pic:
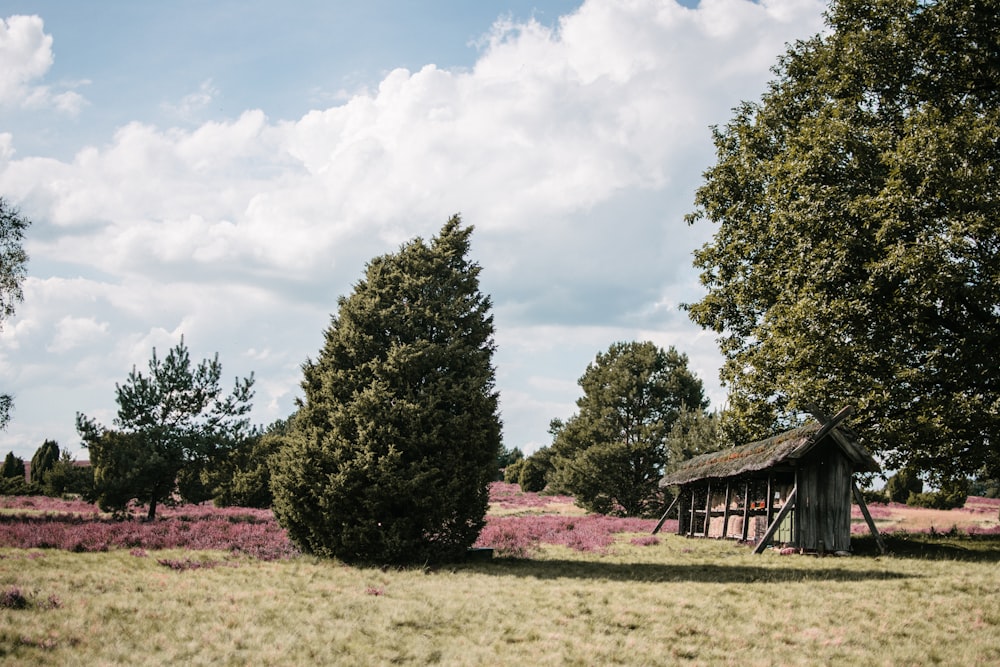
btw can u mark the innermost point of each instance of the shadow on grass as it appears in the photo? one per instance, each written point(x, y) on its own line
point(940, 546)
point(654, 572)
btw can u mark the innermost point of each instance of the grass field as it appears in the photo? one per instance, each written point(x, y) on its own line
point(635, 601)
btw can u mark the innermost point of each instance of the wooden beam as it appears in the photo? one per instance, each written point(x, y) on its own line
point(665, 514)
point(769, 533)
point(796, 524)
point(868, 517)
point(769, 501)
point(746, 510)
point(725, 512)
point(691, 522)
point(708, 507)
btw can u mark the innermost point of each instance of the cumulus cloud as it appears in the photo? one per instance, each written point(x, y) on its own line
point(25, 57)
point(72, 332)
point(574, 149)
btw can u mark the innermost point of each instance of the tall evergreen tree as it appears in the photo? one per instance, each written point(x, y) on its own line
point(856, 259)
point(612, 453)
point(13, 467)
point(398, 437)
point(43, 461)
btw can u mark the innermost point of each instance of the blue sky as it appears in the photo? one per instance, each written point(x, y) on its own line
point(224, 171)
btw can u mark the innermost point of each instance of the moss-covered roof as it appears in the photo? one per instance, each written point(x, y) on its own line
point(764, 454)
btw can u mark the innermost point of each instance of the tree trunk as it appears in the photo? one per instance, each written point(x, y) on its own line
point(152, 509)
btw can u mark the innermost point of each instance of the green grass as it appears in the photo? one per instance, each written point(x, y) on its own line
point(677, 602)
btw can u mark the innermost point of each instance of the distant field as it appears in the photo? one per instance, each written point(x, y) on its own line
point(581, 593)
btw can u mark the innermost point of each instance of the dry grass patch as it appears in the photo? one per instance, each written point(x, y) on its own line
point(675, 602)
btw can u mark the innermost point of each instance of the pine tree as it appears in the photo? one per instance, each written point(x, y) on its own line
point(612, 453)
point(170, 422)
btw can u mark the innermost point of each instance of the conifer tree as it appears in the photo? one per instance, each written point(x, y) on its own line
point(612, 453)
point(397, 439)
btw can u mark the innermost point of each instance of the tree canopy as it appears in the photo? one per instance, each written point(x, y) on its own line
point(612, 453)
point(174, 420)
point(397, 440)
point(856, 259)
point(13, 262)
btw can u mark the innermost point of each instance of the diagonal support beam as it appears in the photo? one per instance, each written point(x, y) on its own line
point(663, 518)
point(860, 499)
point(773, 528)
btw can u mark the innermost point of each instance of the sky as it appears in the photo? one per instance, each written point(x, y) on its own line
point(224, 171)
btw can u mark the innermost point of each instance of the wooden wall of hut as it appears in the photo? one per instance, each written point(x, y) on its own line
point(824, 502)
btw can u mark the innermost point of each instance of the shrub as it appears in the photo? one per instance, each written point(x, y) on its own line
point(874, 496)
point(951, 495)
point(902, 485)
point(512, 473)
point(534, 473)
point(13, 597)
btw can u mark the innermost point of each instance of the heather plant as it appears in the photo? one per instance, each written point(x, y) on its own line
point(520, 536)
point(242, 531)
point(14, 597)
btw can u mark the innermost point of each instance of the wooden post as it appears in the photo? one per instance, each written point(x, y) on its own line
point(796, 524)
point(664, 517)
point(770, 499)
point(746, 510)
point(868, 517)
point(725, 513)
point(769, 533)
point(691, 522)
point(708, 506)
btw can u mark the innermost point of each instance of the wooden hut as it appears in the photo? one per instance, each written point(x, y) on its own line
point(794, 488)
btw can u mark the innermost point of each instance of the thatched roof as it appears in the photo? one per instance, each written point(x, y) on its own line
point(784, 447)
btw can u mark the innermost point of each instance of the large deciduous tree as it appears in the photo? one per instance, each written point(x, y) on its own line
point(612, 453)
point(13, 260)
point(397, 440)
point(857, 255)
point(172, 420)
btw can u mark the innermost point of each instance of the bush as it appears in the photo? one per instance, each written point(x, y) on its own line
point(874, 496)
point(902, 485)
point(952, 495)
point(534, 473)
point(512, 473)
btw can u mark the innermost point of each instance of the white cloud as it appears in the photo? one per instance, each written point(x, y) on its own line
point(574, 150)
point(6, 146)
point(72, 332)
point(25, 58)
